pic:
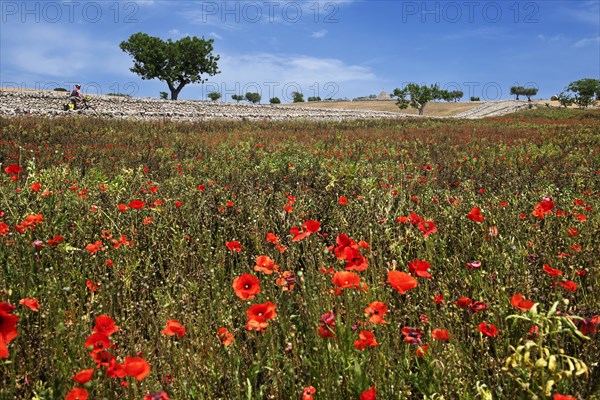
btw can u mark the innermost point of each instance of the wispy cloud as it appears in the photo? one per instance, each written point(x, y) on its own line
point(586, 12)
point(215, 35)
point(319, 34)
point(587, 41)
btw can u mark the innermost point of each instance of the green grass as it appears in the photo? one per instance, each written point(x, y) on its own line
point(179, 267)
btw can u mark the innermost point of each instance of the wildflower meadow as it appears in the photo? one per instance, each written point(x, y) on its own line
point(385, 259)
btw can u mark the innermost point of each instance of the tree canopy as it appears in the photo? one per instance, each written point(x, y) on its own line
point(586, 91)
point(418, 96)
point(177, 63)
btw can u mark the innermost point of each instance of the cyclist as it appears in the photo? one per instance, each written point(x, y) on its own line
point(76, 96)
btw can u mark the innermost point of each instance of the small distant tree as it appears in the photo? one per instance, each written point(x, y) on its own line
point(530, 92)
point(237, 97)
point(473, 98)
point(314, 98)
point(517, 91)
point(297, 97)
point(275, 100)
point(416, 96)
point(60, 89)
point(164, 95)
point(214, 96)
point(253, 97)
point(586, 91)
point(453, 95)
point(564, 99)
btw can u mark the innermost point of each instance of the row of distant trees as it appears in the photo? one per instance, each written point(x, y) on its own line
point(583, 93)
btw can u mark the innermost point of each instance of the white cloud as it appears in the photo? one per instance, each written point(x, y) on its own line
point(174, 32)
point(587, 41)
point(48, 50)
point(319, 34)
point(586, 12)
point(215, 35)
point(279, 75)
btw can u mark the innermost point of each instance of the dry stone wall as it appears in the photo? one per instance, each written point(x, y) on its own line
point(48, 103)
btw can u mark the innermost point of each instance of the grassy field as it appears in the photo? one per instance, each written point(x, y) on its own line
point(412, 259)
point(434, 109)
point(437, 109)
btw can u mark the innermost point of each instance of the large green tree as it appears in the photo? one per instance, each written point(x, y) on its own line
point(416, 96)
point(587, 91)
point(177, 63)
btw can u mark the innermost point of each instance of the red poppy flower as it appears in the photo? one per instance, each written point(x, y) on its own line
point(589, 326)
point(489, 330)
point(77, 394)
point(91, 285)
point(563, 397)
point(569, 285)
point(307, 393)
point(438, 298)
point(346, 280)
point(103, 358)
point(13, 169)
point(365, 339)
point(83, 376)
point(173, 328)
point(415, 219)
point(98, 342)
point(543, 208)
point(477, 306)
point(343, 200)
point(551, 271)
point(234, 246)
point(259, 315)
point(427, 228)
point(401, 281)
point(114, 369)
point(419, 268)
point(93, 248)
point(440, 334)
point(226, 337)
point(475, 215)
point(368, 394)
point(463, 302)
point(265, 264)
point(272, 238)
point(105, 325)
point(8, 327)
point(32, 304)
point(56, 240)
point(327, 327)
point(122, 207)
point(520, 303)
point(136, 367)
point(246, 286)
point(375, 311)
point(136, 204)
point(4, 229)
point(422, 350)
point(412, 335)
point(35, 186)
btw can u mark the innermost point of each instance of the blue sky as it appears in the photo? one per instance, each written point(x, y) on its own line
point(343, 48)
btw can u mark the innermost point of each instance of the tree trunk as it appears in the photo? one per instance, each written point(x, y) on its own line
point(421, 109)
point(175, 90)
